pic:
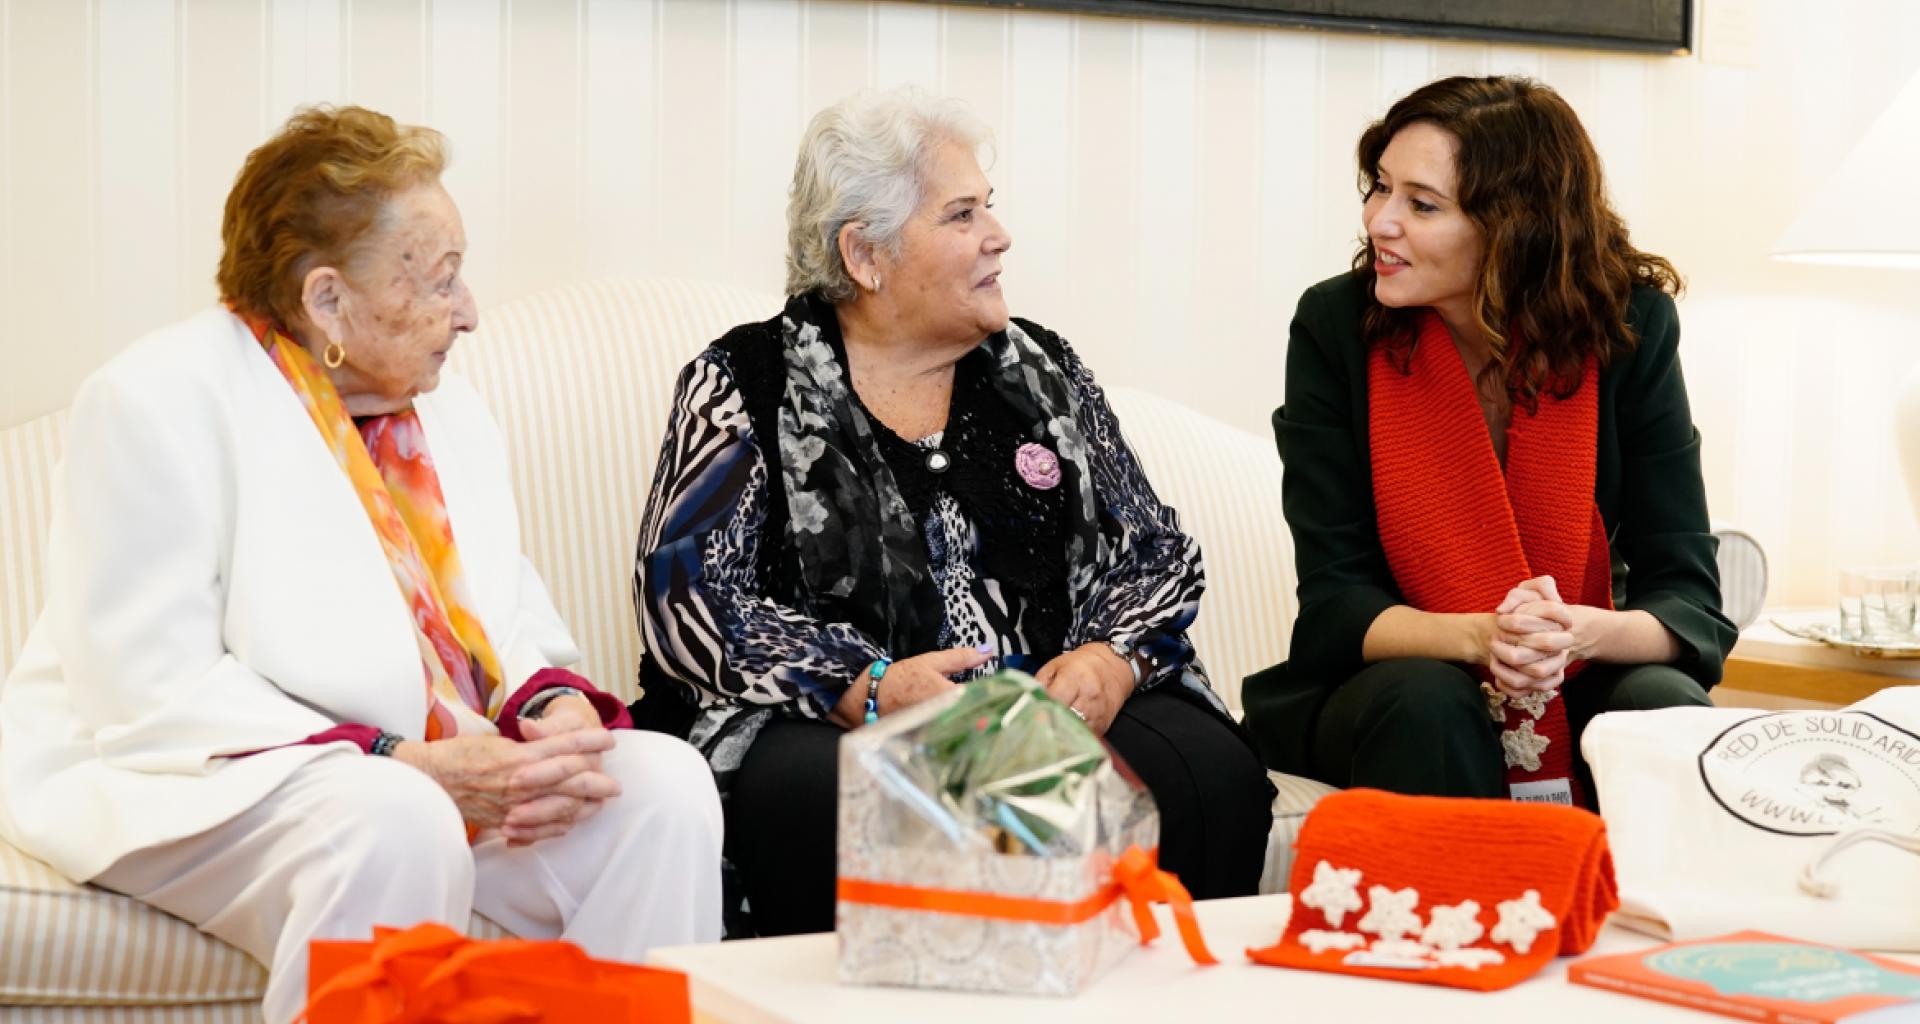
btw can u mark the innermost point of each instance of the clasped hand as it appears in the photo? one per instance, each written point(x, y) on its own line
point(1533, 639)
point(532, 790)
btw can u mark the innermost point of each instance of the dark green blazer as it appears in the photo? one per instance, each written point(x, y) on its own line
point(1647, 485)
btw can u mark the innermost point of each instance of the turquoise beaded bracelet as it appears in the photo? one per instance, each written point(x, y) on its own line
point(874, 675)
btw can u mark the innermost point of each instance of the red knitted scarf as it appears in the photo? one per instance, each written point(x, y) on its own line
point(1459, 534)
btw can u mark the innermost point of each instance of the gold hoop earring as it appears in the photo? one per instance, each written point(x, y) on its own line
point(334, 354)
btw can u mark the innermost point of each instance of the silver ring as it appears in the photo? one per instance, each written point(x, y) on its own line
point(1077, 711)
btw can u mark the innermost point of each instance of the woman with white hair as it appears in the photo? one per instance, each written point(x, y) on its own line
point(891, 487)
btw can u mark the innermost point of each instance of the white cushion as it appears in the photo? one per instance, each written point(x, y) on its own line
point(580, 378)
point(68, 944)
point(1225, 484)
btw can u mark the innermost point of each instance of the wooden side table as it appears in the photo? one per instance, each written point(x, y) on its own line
point(1770, 668)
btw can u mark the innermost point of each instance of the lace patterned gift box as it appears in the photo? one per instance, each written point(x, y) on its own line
point(979, 836)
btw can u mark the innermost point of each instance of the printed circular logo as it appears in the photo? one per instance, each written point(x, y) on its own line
point(1816, 773)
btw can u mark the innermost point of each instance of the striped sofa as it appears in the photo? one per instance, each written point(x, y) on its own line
point(580, 379)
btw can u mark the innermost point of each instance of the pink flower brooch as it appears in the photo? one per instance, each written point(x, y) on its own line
point(1038, 466)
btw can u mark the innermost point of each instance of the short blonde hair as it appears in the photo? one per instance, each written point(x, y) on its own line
point(310, 196)
point(861, 162)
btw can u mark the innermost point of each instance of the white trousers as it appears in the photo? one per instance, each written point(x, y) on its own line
point(351, 841)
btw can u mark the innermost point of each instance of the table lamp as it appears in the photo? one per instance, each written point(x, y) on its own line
point(1862, 216)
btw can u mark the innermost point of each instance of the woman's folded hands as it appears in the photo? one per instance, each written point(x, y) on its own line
point(1532, 640)
point(532, 790)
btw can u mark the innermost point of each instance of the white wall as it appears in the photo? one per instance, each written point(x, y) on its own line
point(1171, 186)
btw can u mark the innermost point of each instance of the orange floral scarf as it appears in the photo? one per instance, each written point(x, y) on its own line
point(387, 461)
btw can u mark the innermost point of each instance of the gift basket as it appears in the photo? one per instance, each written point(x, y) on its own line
point(988, 841)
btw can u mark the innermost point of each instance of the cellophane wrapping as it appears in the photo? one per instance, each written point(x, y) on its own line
point(996, 788)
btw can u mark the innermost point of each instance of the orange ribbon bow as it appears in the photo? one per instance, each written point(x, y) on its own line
point(1135, 876)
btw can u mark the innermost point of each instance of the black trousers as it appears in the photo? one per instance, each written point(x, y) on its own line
point(1420, 726)
point(1216, 808)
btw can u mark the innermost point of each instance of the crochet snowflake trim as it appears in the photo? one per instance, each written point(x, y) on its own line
point(1522, 746)
point(1521, 921)
point(1534, 703)
point(1335, 892)
point(1321, 941)
point(1453, 927)
point(1496, 702)
point(1391, 958)
point(1390, 912)
point(1401, 942)
point(1471, 959)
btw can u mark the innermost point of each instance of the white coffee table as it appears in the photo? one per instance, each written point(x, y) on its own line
point(791, 981)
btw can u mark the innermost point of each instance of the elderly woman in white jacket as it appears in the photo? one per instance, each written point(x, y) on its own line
point(295, 677)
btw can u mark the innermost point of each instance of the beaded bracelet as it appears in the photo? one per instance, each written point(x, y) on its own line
point(874, 675)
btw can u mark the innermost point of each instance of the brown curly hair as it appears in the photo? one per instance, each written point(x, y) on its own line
point(1558, 269)
point(309, 197)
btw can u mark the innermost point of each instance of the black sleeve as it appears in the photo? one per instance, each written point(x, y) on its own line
point(1663, 534)
point(1327, 491)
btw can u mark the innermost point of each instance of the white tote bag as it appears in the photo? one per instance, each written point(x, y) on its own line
point(1801, 823)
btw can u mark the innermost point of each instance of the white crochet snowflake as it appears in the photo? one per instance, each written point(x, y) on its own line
point(1496, 702)
point(1390, 913)
point(1372, 958)
point(1453, 927)
point(1535, 701)
point(1521, 921)
point(1320, 941)
point(1335, 892)
point(1405, 949)
point(1471, 959)
point(1523, 746)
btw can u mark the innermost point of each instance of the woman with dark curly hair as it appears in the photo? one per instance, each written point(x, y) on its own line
point(1493, 480)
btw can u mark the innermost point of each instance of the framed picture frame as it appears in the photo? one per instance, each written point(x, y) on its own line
point(1637, 26)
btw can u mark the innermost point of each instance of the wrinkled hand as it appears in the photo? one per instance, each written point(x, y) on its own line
point(1092, 680)
point(570, 713)
point(908, 682)
point(556, 813)
point(490, 778)
point(1533, 639)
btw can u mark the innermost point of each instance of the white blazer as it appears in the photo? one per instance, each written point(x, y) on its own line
point(215, 588)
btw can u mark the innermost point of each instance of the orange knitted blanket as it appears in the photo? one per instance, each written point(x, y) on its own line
point(1459, 533)
point(1473, 894)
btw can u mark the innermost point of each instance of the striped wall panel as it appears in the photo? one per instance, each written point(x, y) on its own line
point(1172, 186)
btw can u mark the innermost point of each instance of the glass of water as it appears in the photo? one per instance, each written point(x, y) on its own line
point(1878, 604)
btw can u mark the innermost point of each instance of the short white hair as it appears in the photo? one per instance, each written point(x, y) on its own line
point(861, 161)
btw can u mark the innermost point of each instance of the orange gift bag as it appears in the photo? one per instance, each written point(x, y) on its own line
point(431, 974)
